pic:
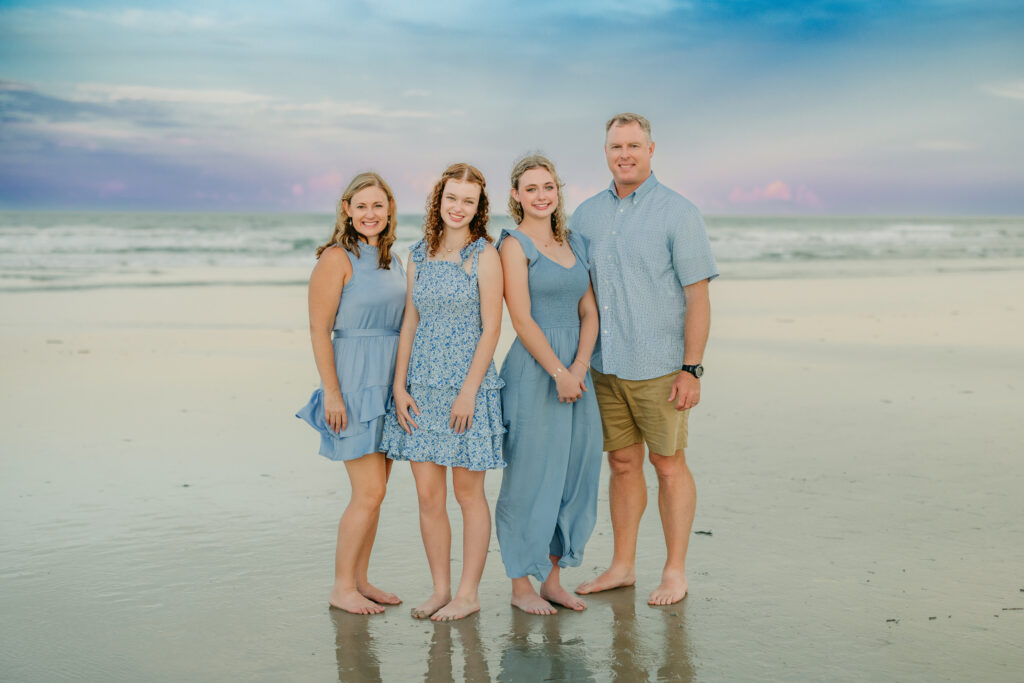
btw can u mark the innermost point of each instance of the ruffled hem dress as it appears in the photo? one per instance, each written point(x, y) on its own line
point(548, 499)
point(447, 298)
point(365, 340)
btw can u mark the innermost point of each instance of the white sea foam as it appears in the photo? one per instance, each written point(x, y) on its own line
point(58, 242)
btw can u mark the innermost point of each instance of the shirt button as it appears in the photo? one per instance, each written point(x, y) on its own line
point(621, 210)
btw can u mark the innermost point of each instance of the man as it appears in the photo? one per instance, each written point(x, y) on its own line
point(651, 264)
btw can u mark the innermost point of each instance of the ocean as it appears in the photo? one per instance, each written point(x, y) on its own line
point(64, 247)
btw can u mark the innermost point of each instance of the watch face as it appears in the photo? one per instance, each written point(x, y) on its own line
point(698, 371)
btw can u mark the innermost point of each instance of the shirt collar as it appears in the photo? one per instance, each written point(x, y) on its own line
point(640, 192)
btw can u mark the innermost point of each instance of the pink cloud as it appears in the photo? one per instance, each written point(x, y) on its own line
point(331, 180)
point(112, 187)
point(805, 197)
point(775, 191)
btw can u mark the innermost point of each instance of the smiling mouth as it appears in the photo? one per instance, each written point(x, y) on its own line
point(456, 218)
point(370, 224)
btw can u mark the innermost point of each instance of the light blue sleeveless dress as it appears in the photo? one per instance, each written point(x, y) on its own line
point(548, 499)
point(447, 299)
point(365, 347)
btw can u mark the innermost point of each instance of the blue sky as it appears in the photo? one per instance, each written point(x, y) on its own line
point(757, 107)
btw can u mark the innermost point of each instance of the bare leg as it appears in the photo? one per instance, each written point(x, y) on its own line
point(552, 590)
point(627, 499)
point(363, 585)
point(432, 490)
point(476, 537)
point(525, 598)
point(677, 501)
point(366, 474)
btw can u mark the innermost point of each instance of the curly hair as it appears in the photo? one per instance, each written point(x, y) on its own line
point(345, 233)
point(433, 225)
point(559, 225)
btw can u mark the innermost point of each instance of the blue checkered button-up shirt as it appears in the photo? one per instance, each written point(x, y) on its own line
point(644, 248)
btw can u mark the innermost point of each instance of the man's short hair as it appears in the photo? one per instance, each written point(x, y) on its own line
point(626, 118)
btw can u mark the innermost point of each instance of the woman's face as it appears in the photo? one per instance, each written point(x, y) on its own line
point(459, 201)
point(537, 192)
point(369, 212)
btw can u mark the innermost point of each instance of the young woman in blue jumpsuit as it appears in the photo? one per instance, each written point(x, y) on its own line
point(547, 506)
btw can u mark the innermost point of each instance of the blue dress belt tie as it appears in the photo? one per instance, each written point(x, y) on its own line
point(356, 332)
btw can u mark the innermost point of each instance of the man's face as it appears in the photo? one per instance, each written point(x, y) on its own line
point(629, 154)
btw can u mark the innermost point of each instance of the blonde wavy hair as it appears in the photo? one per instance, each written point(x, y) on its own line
point(345, 233)
point(433, 225)
point(559, 225)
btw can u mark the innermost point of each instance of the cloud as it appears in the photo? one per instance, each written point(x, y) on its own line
point(773, 191)
point(106, 92)
point(1013, 90)
point(160, 20)
point(347, 109)
point(776, 191)
point(330, 180)
point(944, 145)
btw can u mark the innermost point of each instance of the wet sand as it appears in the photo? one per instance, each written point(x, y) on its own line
point(164, 517)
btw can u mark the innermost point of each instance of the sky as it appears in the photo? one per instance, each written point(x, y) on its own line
point(822, 108)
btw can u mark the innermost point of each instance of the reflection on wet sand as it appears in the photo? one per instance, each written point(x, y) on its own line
point(635, 653)
point(354, 648)
point(535, 651)
point(439, 659)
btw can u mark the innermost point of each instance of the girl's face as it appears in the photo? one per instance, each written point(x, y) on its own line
point(537, 192)
point(459, 201)
point(369, 212)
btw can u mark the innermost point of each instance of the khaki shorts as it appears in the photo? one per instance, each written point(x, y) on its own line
point(639, 410)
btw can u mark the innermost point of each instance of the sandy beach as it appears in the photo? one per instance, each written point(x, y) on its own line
point(857, 456)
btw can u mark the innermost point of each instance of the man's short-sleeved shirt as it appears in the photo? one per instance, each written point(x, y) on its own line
point(644, 248)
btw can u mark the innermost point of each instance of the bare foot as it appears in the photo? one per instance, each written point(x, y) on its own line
point(435, 602)
point(371, 592)
point(458, 608)
point(352, 601)
point(560, 596)
point(531, 603)
point(609, 579)
point(672, 589)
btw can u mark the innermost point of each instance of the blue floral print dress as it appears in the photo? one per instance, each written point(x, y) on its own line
point(447, 299)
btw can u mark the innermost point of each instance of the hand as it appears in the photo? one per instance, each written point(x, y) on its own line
point(403, 403)
point(569, 387)
point(579, 370)
point(685, 391)
point(461, 418)
point(335, 414)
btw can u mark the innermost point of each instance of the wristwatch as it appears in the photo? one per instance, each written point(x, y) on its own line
point(695, 370)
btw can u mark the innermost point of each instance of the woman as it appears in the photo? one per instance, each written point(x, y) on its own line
point(447, 411)
point(548, 501)
point(356, 291)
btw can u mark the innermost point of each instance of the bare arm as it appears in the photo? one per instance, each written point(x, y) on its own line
point(489, 279)
point(686, 388)
point(589, 324)
point(330, 275)
point(410, 319)
point(515, 268)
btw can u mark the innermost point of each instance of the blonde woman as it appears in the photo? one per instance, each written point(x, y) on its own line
point(548, 502)
point(356, 302)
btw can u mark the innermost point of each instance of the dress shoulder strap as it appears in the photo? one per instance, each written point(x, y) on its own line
point(529, 248)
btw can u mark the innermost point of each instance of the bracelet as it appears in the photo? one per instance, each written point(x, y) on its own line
point(586, 366)
point(556, 373)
